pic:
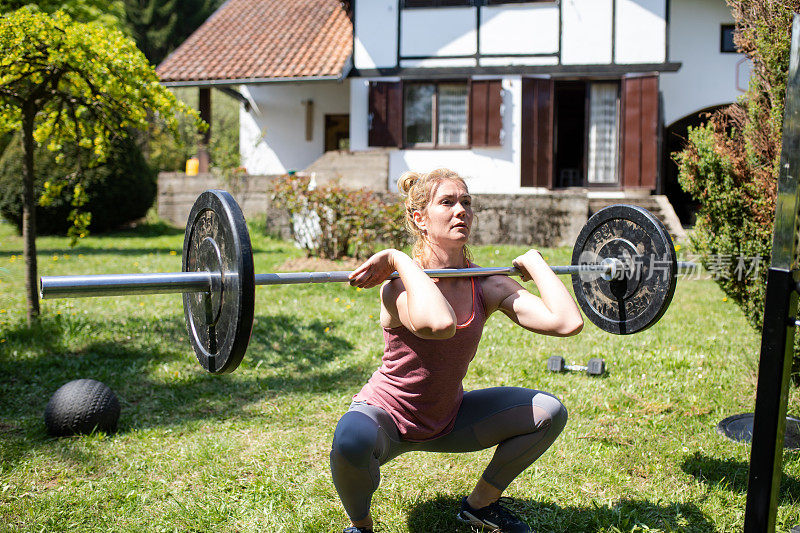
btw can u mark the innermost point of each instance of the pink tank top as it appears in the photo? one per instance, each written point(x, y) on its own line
point(419, 381)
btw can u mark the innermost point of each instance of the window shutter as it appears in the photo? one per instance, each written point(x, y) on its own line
point(485, 112)
point(537, 133)
point(385, 114)
point(640, 132)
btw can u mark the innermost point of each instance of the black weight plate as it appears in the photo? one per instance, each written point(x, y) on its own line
point(219, 323)
point(638, 239)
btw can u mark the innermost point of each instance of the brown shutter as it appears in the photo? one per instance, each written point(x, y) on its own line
point(640, 132)
point(537, 133)
point(385, 114)
point(485, 118)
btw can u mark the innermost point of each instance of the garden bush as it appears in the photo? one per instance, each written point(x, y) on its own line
point(118, 191)
point(731, 164)
point(332, 222)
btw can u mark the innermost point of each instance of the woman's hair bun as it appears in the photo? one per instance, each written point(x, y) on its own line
point(407, 181)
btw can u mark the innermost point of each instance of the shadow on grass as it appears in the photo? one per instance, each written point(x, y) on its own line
point(732, 475)
point(286, 355)
point(438, 514)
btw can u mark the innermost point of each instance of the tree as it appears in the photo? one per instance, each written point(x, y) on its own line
point(72, 86)
point(159, 26)
point(109, 12)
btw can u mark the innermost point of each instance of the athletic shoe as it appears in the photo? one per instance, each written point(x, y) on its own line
point(495, 517)
point(354, 529)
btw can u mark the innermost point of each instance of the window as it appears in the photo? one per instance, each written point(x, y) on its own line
point(726, 44)
point(435, 114)
point(429, 114)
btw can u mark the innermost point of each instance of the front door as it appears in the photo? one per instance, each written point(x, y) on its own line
point(337, 132)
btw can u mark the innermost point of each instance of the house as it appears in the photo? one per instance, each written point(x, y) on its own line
point(520, 97)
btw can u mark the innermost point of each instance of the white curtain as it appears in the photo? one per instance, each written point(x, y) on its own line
point(603, 132)
point(452, 114)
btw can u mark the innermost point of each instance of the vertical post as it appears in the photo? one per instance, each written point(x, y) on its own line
point(204, 96)
point(777, 341)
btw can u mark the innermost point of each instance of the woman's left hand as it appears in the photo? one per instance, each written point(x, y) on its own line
point(528, 263)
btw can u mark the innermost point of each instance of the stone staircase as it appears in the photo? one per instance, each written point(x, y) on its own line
point(657, 204)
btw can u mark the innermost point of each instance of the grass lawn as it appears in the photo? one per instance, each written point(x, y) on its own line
point(249, 451)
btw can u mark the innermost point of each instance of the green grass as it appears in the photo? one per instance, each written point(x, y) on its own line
point(249, 451)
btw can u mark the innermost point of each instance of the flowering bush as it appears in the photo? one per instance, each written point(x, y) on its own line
point(331, 221)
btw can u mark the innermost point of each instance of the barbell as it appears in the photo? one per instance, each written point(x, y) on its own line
point(624, 272)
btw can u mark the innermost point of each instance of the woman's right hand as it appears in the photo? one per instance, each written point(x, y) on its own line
point(375, 270)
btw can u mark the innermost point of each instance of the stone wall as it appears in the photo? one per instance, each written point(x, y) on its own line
point(177, 193)
point(531, 220)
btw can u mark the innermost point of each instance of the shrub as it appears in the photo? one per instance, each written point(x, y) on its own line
point(731, 165)
point(118, 191)
point(331, 221)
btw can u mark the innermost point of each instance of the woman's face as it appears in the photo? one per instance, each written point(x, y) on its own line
point(448, 216)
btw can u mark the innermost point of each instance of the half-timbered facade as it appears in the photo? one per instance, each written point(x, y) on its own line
point(518, 96)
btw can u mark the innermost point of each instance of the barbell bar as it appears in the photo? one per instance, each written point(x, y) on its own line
point(624, 271)
point(52, 287)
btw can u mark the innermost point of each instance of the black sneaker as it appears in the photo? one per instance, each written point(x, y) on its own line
point(354, 529)
point(495, 517)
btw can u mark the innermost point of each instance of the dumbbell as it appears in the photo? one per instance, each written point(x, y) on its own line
point(595, 367)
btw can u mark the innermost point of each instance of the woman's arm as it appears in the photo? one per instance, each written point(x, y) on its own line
point(414, 300)
point(554, 313)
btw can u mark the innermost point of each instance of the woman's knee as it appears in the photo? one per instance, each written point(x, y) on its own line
point(556, 411)
point(355, 439)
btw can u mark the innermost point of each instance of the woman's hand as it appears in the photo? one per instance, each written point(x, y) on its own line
point(529, 264)
point(374, 270)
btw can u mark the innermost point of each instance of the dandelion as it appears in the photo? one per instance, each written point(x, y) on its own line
point(141, 304)
point(327, 329)
point(2, 341)
point(371, 316)
point(55, 258)
point(2, 311)
point(358, 289)
point(173, 252)
point(725, 299)
point(677, 247)
point(336, 299)
point(348, 306)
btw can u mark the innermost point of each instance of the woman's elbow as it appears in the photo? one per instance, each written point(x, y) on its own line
point(570, 327)
point(439, 330)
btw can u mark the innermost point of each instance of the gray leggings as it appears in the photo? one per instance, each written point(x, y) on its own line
point(523, 423)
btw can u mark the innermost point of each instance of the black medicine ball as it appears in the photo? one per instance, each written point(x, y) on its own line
point(82, 406)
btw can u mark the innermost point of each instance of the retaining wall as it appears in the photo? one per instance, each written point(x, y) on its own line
point(533, 220)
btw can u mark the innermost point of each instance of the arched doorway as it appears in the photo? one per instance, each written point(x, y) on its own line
point(675, 138)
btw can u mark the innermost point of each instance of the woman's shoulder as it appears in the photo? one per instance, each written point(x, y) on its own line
point(495, 289)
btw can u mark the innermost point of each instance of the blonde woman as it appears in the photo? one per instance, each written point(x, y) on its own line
point(415, 401)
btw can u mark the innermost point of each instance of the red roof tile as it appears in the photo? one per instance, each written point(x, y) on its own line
point(255, 39)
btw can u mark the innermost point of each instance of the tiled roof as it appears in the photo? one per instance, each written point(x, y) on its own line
point(257, 39)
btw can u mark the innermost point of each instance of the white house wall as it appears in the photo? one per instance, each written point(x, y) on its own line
point(583, 32)
point(438, 32)
point(707, 77)
point(519, 29)
point(375, 43)
point(640, 29)
point(586, 32)
point(273, 136)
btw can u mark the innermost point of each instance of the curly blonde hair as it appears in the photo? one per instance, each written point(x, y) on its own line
point(418, 189)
